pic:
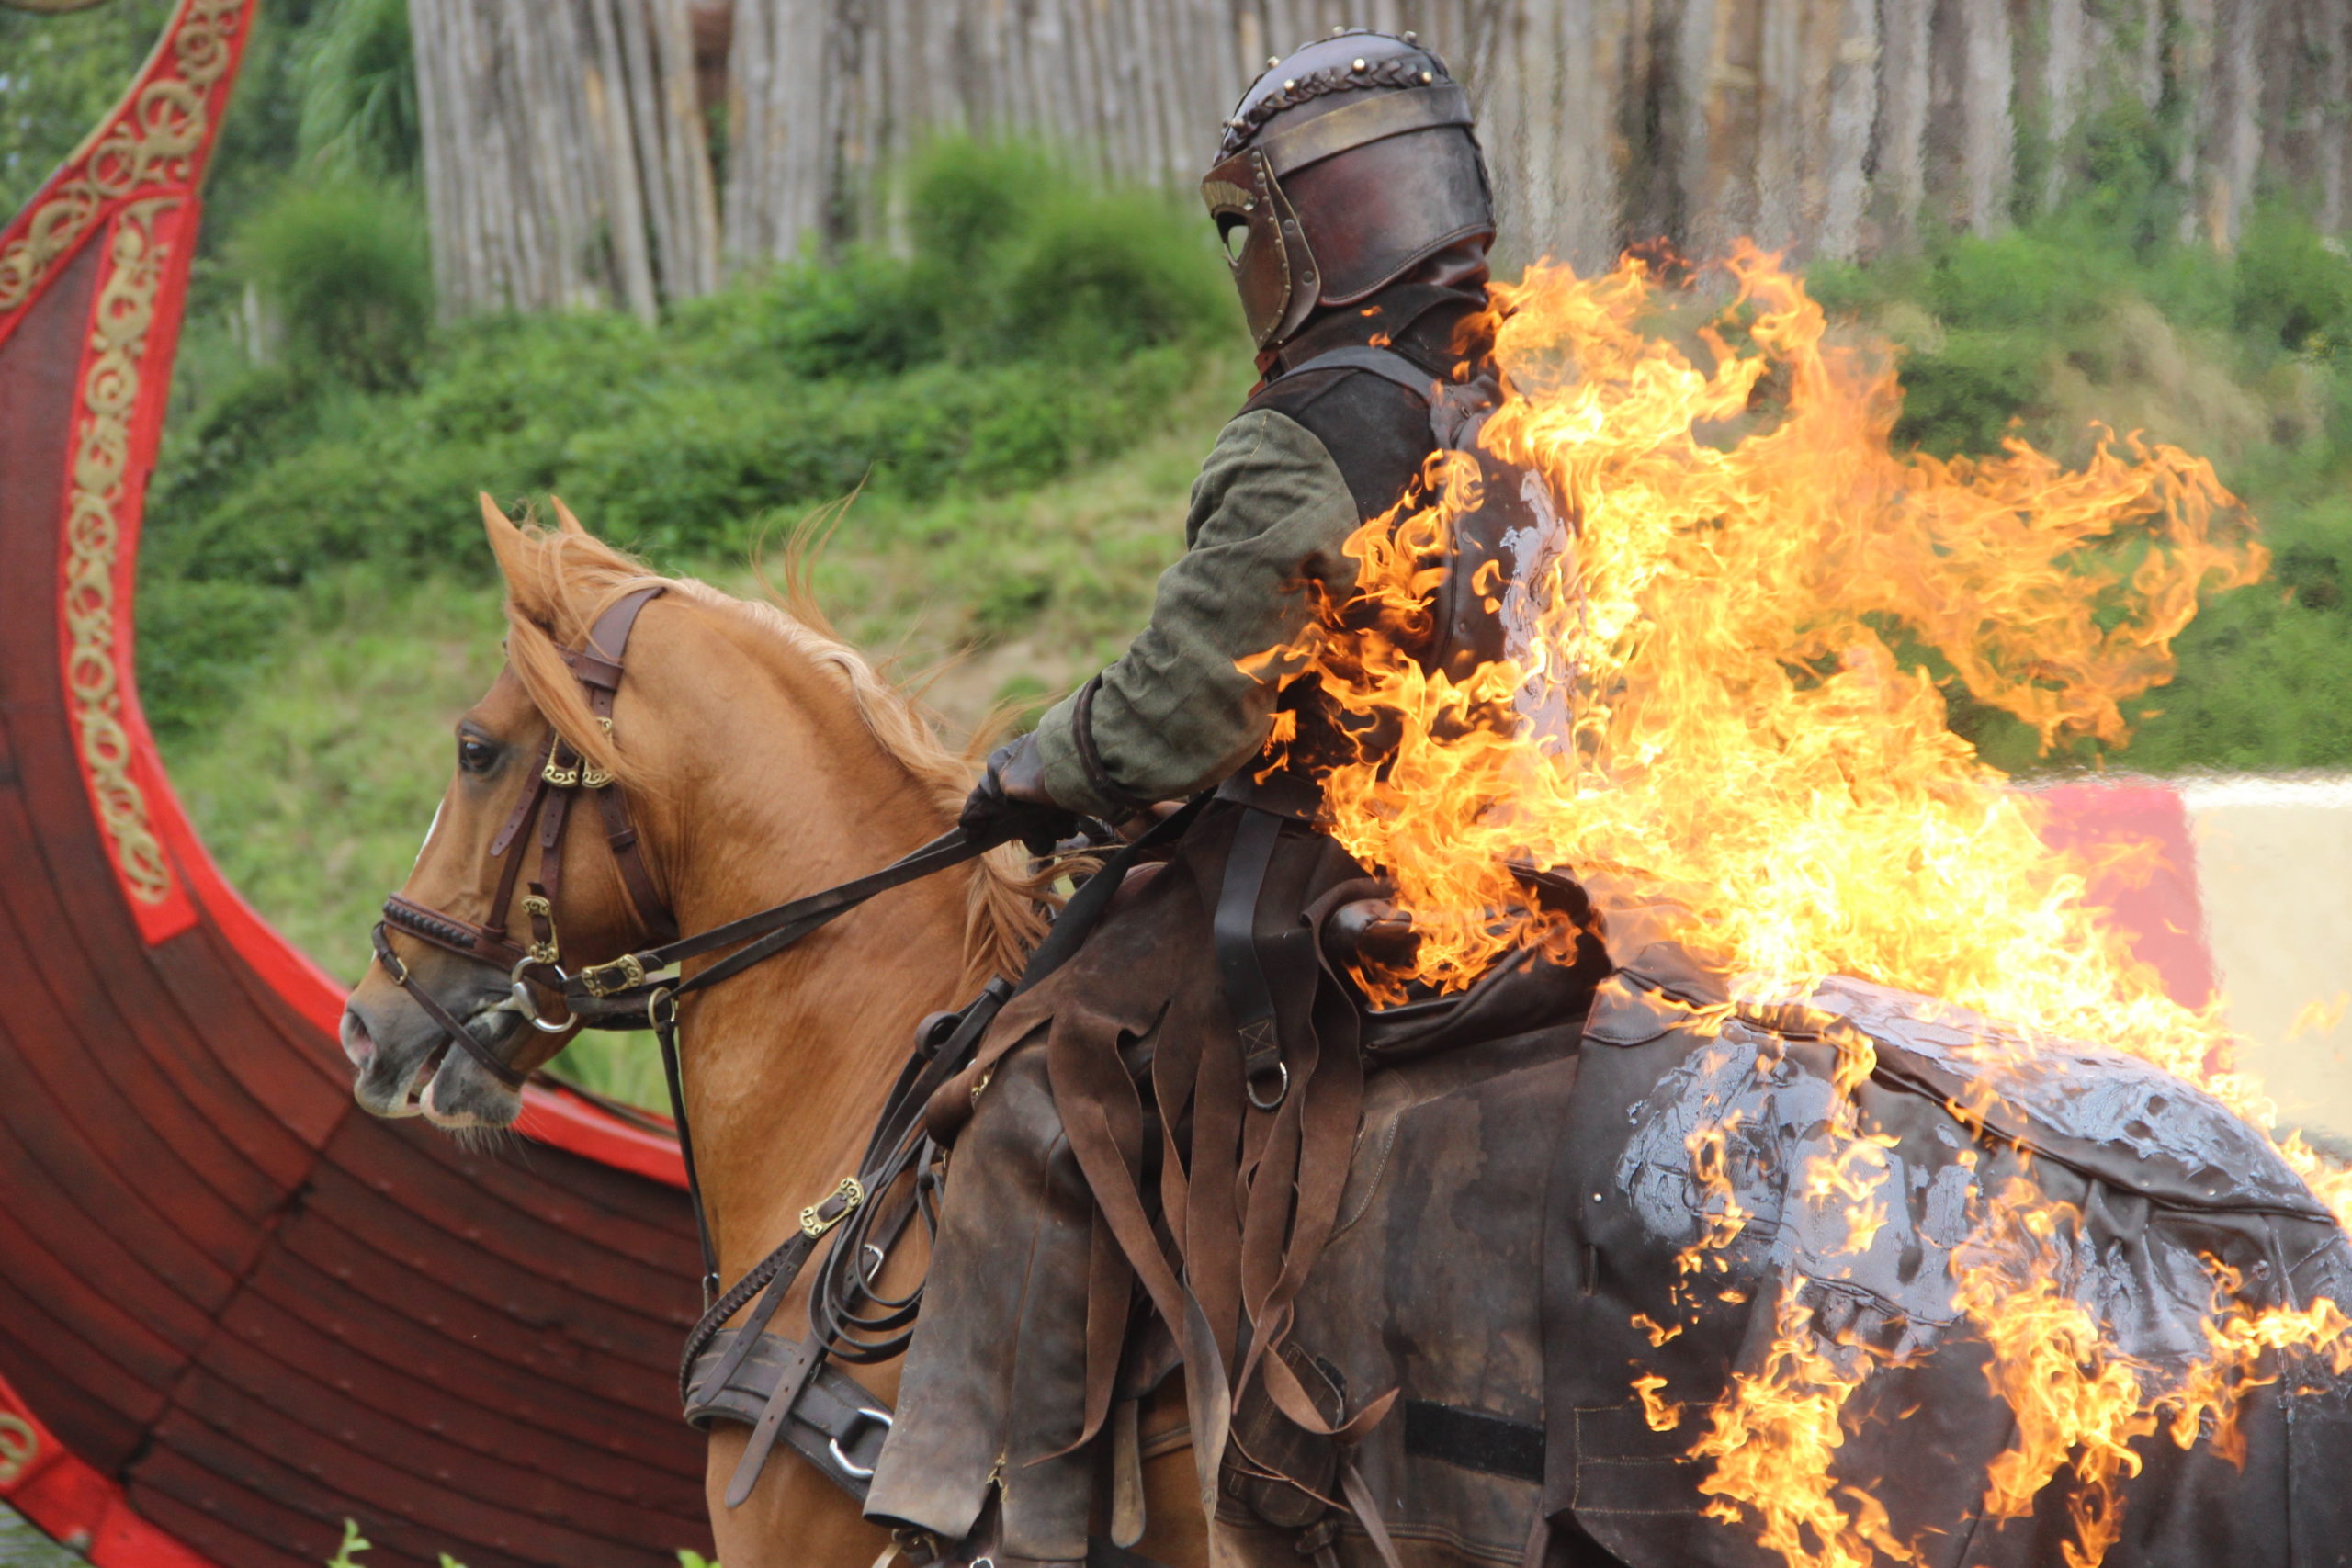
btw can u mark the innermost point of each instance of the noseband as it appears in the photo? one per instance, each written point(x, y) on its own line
point(546, 806)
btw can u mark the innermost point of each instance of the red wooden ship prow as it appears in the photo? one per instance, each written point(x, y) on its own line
point(234, 1310)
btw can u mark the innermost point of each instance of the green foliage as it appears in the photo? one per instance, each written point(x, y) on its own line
point(2294, 289)
point(344, 267)
point(1013, 257)
point(357, 85)
point(905, 377)
point(23, 1546)
point(347, 1555)
point(354, 1543)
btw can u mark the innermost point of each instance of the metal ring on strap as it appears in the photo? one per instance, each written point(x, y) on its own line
point(1282, 1088)
point(834, 1445)
point(529, 1005)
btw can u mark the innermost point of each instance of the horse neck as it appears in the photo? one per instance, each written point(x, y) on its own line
point(786, 1064)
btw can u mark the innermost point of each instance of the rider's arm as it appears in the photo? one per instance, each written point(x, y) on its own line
point(1177, 713)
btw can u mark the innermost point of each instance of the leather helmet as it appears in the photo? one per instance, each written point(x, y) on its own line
point(1343, 167)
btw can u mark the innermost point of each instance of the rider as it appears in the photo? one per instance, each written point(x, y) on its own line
point(1355, 212)
point(1354, 209)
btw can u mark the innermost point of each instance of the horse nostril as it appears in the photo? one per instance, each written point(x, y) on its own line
point(358, 1043)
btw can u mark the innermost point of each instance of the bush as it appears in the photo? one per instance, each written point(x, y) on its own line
point(343, 266)
point(1012, 256)
point(1034, 325)
point(1090, 277)
point(2293, 288)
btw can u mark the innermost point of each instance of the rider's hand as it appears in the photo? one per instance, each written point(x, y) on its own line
point(1011, 802)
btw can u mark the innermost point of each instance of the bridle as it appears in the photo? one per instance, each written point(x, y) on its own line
point(851, 1319)
point(546, 805)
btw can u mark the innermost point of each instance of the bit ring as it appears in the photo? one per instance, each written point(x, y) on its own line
point(527, 1005)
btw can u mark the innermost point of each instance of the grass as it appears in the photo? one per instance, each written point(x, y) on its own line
point(22, 1546)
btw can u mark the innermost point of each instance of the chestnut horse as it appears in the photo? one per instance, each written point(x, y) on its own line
point(763, 758)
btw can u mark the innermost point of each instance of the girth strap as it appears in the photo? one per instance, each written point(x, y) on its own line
point(1234, 928)
point(834, 1423)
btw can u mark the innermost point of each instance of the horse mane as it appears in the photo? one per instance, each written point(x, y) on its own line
point(560, 580)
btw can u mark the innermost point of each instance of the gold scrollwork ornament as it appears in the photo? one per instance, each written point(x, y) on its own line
point(20, 1446)
point(126, 308)
point(165, 126)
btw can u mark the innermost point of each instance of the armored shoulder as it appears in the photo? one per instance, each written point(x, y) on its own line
point(1377, 432)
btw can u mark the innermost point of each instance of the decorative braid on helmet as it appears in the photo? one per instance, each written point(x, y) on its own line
point(1240, 130)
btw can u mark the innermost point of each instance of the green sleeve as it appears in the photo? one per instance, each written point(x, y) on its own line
point(1176, 713)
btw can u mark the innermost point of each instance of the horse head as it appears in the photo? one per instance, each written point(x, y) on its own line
point(484, 871)
point(750, 756)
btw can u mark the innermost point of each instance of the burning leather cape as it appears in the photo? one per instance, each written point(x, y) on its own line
point(1454, 1312)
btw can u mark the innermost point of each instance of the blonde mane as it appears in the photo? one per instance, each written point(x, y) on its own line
point(560, 580)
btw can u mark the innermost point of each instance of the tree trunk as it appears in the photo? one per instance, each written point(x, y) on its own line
point(553, 177)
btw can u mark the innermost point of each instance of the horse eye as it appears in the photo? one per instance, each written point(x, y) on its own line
point(475, 755)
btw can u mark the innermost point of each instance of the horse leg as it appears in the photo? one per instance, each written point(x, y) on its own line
point(794, 1517)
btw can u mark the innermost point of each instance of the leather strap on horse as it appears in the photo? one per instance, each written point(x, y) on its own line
point(615, 994)
point(900, 1145)
point(451, 1030)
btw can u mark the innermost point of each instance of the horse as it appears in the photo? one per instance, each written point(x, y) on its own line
point(1605, 1155)
point(762, 757)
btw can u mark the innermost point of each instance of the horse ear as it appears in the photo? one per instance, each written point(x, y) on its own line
point(564, 519)
point(524, 567)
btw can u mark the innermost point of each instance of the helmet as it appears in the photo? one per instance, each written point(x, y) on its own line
point(1343, 167)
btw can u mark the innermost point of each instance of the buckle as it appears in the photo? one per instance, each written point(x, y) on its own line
point(600, 977)
point(858, 1419)
point(537, 907)
point(843, 1200)
point(591, 775)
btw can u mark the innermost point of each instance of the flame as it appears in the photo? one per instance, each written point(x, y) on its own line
point(1789, 1421)
point(1727, 716)
point(2318, 1016)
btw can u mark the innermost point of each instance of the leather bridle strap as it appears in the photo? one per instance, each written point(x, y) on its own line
point(442, 1017)
point(622, 988)
point(656, 1005)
